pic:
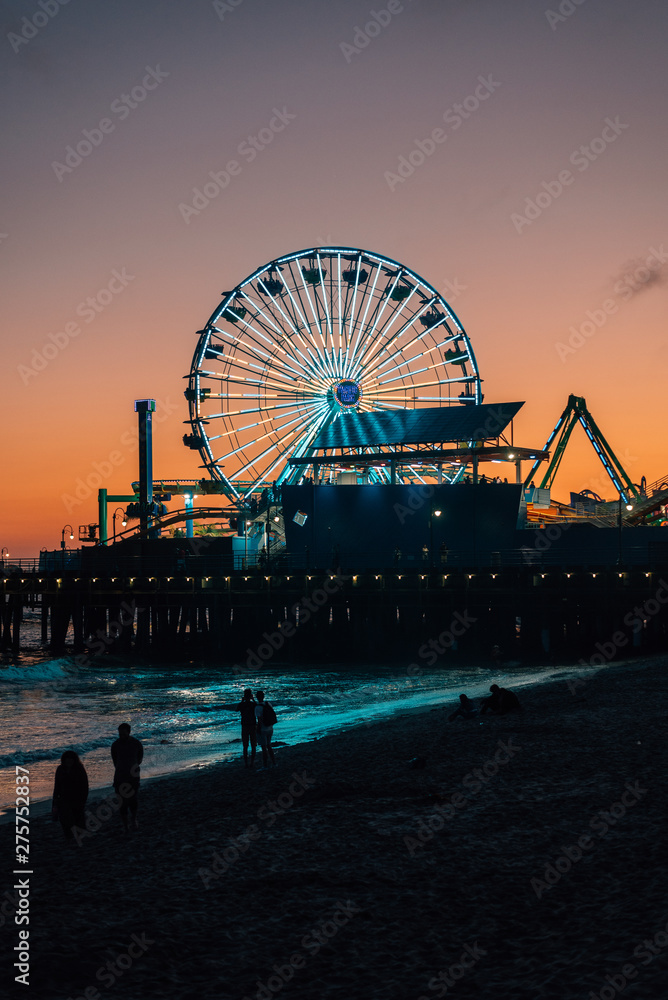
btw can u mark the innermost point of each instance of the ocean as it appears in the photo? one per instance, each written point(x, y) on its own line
point(184, 712)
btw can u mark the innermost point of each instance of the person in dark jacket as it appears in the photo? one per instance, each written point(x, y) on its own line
point(501, 701)
point(127, 754)
point(248, 725)
point(265, 732)
point(70, 792)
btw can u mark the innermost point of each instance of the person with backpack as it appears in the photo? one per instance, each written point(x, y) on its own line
point(247, 707)
point(266, 717)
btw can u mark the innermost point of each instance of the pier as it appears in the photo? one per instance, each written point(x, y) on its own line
point(257, 615)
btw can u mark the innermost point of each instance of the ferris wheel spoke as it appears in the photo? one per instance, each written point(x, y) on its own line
point(364, 291)
point(269, 381)
point(349, 317)
point(238, 430)
point(317, 319)
point(370, 297)
point(328, 313)
point(408, 361)
point(419, 371)
point(274, 433)
point(281, 340)
point(251, 350)
point(291, 322)
point(395, 337)
point(253, 462)
point(265, 357)
point(312, 432)
point(237, 368)
point(383, 331)
point(301, 313)
point(260, 409)
point(386, 297)
point(271, 367)
point(242, 452)
point(410, 326)
point(309, 325)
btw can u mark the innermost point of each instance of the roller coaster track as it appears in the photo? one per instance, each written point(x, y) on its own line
point(176, 517)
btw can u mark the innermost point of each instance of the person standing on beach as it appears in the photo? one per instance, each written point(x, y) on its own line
point(247, 707)
point(127, 754)
point(265, 730)
point(70, 791)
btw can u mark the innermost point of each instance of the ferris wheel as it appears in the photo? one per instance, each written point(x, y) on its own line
point(306, 338)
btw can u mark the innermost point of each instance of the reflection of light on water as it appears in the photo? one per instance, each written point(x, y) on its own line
point(64, 708)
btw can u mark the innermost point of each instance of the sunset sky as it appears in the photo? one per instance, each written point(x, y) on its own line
point(541, 209)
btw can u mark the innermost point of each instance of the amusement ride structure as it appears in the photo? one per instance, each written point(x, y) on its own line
point(337, 365)
point(307, 339)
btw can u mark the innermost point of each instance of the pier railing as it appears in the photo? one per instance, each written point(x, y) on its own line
point(111, 567)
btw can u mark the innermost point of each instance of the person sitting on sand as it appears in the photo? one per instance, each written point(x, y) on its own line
point(465, 710)
point(127, 754)
point(265, 733)
point(70, 791)
point(247, 707)
point(500, 702)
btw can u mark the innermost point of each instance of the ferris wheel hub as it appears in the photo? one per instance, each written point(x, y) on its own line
point(347, 393)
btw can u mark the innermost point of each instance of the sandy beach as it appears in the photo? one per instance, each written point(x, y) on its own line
point(526, 859)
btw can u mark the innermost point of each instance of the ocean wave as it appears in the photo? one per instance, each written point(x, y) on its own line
point(23, 758)
point(51, 670)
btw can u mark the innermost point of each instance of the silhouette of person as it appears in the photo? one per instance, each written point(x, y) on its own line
point(465, 710)
point(127, 754)
point(501, 701)
point(264, 732)
point(247, 707)
point(70, 791)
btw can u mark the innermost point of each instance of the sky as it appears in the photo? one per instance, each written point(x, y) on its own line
point(540, 216)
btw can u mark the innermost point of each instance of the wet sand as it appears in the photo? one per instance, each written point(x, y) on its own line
point(527, 859)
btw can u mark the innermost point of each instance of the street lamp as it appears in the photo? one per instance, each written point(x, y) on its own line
point(123, 522)
point(432, 515)
point(3, 552)
point(62, 539)
point(629, 506)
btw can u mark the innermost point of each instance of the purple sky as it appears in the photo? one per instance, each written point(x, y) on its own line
point(220, 74)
